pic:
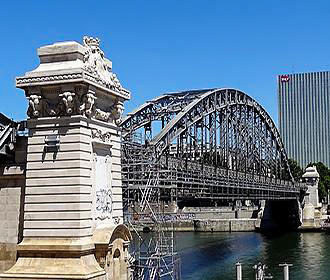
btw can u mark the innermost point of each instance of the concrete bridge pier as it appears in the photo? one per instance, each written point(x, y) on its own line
point(73, 220)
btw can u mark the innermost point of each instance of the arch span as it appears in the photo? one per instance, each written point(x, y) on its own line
point(161, 108)
point(222, 127)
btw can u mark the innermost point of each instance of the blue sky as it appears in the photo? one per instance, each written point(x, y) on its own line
point(161, 46)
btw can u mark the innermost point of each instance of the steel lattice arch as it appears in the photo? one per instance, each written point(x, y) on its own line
point(205, 145)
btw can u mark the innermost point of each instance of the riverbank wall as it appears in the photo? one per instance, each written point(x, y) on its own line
point(221, 219)
point(226, 225)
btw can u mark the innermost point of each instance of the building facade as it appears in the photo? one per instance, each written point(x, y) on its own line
point(304, 116)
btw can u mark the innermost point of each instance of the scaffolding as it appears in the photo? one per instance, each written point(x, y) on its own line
point(153, 247)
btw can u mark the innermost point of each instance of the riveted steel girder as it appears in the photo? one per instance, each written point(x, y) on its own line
point(212, 144)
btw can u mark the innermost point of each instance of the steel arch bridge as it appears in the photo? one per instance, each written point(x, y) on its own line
point(210, 145)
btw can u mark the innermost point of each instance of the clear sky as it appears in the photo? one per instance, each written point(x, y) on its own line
point(161, 46)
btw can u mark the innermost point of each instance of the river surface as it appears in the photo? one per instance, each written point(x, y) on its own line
point(211, 256)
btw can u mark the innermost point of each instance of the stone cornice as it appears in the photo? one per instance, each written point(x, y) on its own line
point(22, 82)
point(29, 81)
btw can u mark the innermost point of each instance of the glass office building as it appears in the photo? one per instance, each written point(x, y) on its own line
point(304, 116)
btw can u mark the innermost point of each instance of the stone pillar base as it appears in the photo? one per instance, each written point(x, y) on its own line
point(39, 259)
point(309, 212)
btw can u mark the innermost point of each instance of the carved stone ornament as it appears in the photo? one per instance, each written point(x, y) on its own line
point(69, 104)
point(96, 64)
point(38, 107)
point(102, 115)
point(103, 137)
point(35, 105)
point(74, 79)
point(118, 111)
point(68, 100)
point(86, 107)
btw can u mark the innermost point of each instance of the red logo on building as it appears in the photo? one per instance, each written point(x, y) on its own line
point(285, 78)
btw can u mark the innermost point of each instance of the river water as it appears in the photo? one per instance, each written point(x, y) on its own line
point(213, 255)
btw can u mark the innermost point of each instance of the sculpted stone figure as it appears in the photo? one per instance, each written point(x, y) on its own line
point(68, 101)
point(86, 108)
point(118, 111)
point(116, 82)
point(92, 54)
point(35, 106)
point(99, 66)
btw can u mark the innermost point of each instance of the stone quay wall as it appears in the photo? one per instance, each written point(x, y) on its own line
point(223, 219)
point(12, 182)
point(12, 191)
point(226, 225)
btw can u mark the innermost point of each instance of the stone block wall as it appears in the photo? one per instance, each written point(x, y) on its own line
point(117, 176)
point(106, 174)
point(58, 184)
point(227, 225)
point(12, 181)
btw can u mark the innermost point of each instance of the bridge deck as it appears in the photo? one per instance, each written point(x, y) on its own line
point(181, 180)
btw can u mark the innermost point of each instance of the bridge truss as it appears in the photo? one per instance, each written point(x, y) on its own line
point(212, 144)
point(205, 147)
point(9, 131)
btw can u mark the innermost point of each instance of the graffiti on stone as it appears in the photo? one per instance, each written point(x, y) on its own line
point(167, 217)
point(104, 202)
point(179, 217)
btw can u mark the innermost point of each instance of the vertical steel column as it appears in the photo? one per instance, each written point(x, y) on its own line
point(202, 142)
point(195, 141)
point(221, 148)
point(210, 117)
point(190, 141)
point(227, 131)
point(216, 115)
point(215, 162)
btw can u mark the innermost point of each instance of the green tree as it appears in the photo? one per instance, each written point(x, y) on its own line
point(296, 170)
point(322, 190)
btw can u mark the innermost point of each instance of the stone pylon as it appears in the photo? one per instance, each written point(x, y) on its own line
point(311, 178)
point(73, 198)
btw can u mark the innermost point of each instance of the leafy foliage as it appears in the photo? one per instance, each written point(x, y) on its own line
point(296, 170)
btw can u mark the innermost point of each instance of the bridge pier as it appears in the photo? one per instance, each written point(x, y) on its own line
point(73, 219)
